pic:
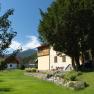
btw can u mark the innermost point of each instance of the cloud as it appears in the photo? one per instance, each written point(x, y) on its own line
point(15, 45)
point(30, 44)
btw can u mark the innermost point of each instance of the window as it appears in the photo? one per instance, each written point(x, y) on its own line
point(55, 59)
point(64, 58)
point(10, 65)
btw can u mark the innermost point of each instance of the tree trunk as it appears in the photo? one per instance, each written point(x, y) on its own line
point(82, 58)
point(73, 63)
point(77, 63)
point(90, 54)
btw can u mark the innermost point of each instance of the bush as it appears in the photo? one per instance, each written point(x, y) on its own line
point(86, 85)
point(30, 69)
point(87, 66)
point(49, 75)
point(33, 69)
point(22, 67)
point(79, 73)
point(60, 74)
point(71, 76)
point(3, 65)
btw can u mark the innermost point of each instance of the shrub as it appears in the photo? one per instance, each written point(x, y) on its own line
point(86, 85)
point(30, 69)
point(60, 74)
point(33, 69)
point(3, 65)
point(22, 67)
point(87, 66)
point(27, 69)
point(49, 75)
point(71, 76)
point(79, 73)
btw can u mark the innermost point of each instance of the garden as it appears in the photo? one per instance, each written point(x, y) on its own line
point(15, 82)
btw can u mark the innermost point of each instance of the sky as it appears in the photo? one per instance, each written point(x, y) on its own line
point(25, 21)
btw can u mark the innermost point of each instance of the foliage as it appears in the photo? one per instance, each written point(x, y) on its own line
point(79, 73)
point(33, 69)
point(3, 65)
point(67, 25)
point(60, 74)
point(72, 75)
point(49, 75)
point(33, 57)
point(87, 67)
point(19, 83)
point(30, 69)
point(22, 67)
point(5, 35)
point(16, 52)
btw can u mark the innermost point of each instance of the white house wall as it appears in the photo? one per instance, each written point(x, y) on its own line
point(59, 62)
point(14, 66)
point(43, 62)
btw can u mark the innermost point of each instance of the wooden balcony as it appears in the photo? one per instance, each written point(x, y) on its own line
point(43, 52)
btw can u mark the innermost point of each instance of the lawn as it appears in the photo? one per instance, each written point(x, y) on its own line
point(15, 82)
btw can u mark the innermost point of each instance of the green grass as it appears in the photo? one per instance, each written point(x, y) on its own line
point(15, 82)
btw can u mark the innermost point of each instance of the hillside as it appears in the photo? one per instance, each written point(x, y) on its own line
point(27, 53)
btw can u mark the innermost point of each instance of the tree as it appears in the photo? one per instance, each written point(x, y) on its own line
point(67, 25)
point(3, 65)
point(6, 32)
point(33, 57)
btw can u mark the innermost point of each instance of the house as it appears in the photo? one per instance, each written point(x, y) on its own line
point(49, 59)
point(12, 62)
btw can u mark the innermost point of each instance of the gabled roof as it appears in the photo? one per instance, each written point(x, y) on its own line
point(12, 59)
point(43, 46)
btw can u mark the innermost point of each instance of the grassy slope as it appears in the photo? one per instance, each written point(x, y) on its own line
point(15, 82)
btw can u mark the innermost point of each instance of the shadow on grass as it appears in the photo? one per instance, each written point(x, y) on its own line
point(5, 89)
point(1, 80)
